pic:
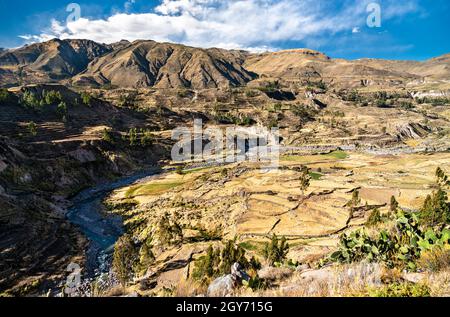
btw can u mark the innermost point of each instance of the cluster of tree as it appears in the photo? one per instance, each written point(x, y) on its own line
point(312, 85)
point(131, 258)
point(275, 251)
point(143, 137)
point(436, 208)
point(218, 262)
point(439, 101)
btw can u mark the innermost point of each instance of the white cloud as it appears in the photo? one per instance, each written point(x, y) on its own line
point(242, 24)
point(356, 30)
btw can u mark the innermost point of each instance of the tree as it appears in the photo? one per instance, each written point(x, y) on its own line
point(436, 209)
point(146, 256)
point(107, 136)
point(30, 100)
point(62, 110)
point(305, 179)
point(232, 253)
point(276, 251)
point(86, 98)
point(206, 268)
point(125, 259)
point(375, 217)
point(442, 178)
point(32, 128)
point(169, 232)
point(146, 137)
point(52, 97)
point(355, 200)
point(393, 206)
point(132, 136)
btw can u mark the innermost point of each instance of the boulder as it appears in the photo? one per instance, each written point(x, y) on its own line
point(224, 286)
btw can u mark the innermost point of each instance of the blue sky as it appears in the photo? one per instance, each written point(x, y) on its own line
point(410, 29)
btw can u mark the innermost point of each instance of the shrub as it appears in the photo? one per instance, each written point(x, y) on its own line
point(132, 136)
point(51, 97)
point(436, 259)
point(276, 251)
point(406, 289)
point(5, 96)
point(127, 100)
point(107, 136)
point(146, 256)
point(179, 169)
point(30, 100)
point(402, 247)
point(168, 231)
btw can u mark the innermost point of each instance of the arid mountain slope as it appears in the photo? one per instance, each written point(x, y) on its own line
point(52, 60)
point(148, 63)
point(307, 64)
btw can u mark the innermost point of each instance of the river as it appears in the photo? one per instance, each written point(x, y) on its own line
point(100, 229)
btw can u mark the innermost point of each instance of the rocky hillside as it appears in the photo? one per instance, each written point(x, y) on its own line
point(148, 63)
point(49, 61)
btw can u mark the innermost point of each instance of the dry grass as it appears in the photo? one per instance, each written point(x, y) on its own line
point(439, 283)
point(340, 281)
point(189, 288)
point(436, 259)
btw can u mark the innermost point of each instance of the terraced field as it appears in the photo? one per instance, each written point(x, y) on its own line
point(242, 201)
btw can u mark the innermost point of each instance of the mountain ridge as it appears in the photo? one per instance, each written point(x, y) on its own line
point(146, 63)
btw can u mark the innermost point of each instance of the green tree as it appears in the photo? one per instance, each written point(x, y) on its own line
point(86, 98)
point(436, 209)
point(125, 259)
point(393, 206)
point(133, 137)
point(30, 100)
point(107, 136)
point(207, 266)
point(232, 253)
point(276, 251)
point(441, 178)
point(374, 218)
point(146, 256)
point(62, 111)
point(32, 128)
point(51, 97)
point(305, 179)
point(355, 200)
point(146, 137)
